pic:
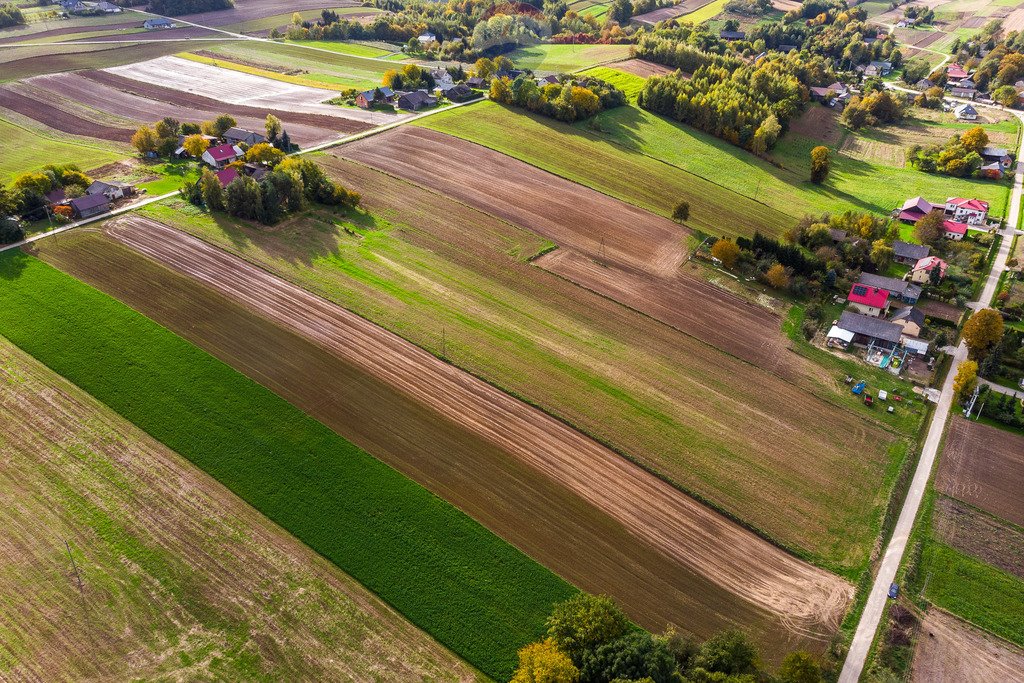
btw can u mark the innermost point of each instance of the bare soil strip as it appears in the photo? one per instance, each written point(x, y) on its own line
point(975, 533)
point(643, 68)
point(181, 580)
point(247, 10)
point(178, 98)
point(940, 309)
point(984, 466)
point(556, 208)
point(810, 601)
point(952, 651)
point(60, 120)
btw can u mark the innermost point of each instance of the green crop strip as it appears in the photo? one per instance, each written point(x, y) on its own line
point(472, 591)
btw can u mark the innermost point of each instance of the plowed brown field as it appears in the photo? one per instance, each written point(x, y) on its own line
point(984, 466)
point(562, 211)
point(57, 119)
point(643, 68)
point(180, 580)
point(579, 508)
point(952, 651)
point(247, 10)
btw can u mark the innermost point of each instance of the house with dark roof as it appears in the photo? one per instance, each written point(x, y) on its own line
point(878, 68)
point(416, 100)
point(999, 155)
point(991, 171)
point(899, 290)
point(911, 319)
point(823, 93)
point(106, 7)
point(222, 155)
point(240, 136)
point(837, 235)
point(732, 35)
point(377, 96)
point(924, 84)
point(462, 93)
point(868, 300)
point(110, 189)
point(255, 171)
point(867, 330)
point(910, 254)
point(966, 112)
point(914, 209)
point(475, 82)
point(54, 197)
point(964, 93)
point(89, 205)
point(785, 47)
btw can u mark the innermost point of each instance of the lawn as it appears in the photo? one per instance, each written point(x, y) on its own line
point(354, 49)
point(447, 574)
point(631, 84)
point(986, 596)
point(563, 58)
point(180, 578)
point(591, 159)
point(705, 13)
point(27, 150)
point(173, 175)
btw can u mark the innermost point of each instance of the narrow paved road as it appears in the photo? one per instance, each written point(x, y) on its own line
point(872, 616)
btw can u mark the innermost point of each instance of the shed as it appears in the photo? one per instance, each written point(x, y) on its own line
point(89, 205)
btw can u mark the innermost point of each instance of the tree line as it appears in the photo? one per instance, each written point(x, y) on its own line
point(176, 8)
point(590, 640)
point(573, 98)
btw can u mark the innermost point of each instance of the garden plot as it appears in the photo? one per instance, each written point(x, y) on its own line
point(234, 87)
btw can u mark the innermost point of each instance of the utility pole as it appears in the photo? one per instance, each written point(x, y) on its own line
point(75, 566)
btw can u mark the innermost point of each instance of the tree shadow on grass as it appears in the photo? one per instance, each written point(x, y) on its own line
point(12, 263)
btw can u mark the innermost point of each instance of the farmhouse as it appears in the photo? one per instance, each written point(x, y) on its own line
point(156, 24)
point(966, 112)
point(955, 72)
point(106, 7)
point(997, 155)
point(547, 80)
point(462, 93)
point(878, 69)
point(970, 211)
point(915, 209)
point(227, 176)
point(221, 155)
point(911, 319)
point(732, 35)
point(836, 90)
point(922, 271)
point(924, 84)
point(442, 79)
point(899, 290)
point(89, 205)
point(910, 254)
point(953, 230)
point(369, 98)
point(110, 190)
point(475, 82)
point(240, 136)
point(965, 93)
point(865, 330)
point(415, 100)
point(871, 301)
point(426, 38)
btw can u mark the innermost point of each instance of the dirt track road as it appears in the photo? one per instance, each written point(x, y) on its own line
point(808, 600)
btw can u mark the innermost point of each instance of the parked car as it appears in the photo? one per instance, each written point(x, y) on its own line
point(894, 590)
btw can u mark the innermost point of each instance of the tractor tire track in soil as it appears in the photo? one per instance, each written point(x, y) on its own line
point(807, 600)
point(61, 120)
point(983, 466)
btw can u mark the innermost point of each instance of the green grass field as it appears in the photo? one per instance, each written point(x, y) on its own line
point(969, 588)
point(705, 13)
point(590, 159)
point(354, 49)
point(282, 20)
point(27, 150)
point(451, 577)
point(562, 58)
point(630, 84)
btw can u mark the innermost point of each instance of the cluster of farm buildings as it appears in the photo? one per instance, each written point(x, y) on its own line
point(444, 86)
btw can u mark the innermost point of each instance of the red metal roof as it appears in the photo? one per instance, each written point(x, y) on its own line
point(929, 262)
point(956, 71)
point(955, 227)
point(868, 296)
point(222, 152)
point(973, 204)
point(226, 176)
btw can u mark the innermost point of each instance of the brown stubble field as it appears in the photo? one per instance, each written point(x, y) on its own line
point(583, 511)
point(952, 651)
point(984, 466)
point(181, 580)
point(453, 280)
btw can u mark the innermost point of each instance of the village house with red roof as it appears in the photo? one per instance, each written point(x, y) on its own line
point(868, 300)
point(222, 155)
point(970, 211)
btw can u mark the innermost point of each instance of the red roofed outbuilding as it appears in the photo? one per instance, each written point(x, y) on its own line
point(915, 209)
point(954, 230)
point(226, 176)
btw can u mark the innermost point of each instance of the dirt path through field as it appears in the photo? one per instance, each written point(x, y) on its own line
point(953, 651)
point(567, 213)
point(181, 580)
point(808, 600)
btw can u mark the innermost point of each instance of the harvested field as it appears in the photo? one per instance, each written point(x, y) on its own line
point(984, 466)
point(451, 279)
point(979, 535)
point(119, 96)
point(234, 87)
point(745, 330)
point(1014, 21)
point(57, 119)
point(940, 309)
point(19, 63)
point(249, 10)
point(70, 31)
point(643, 68)
point(180, 578)
point(685, 7)
point(669, 559)
point(565, 212)
point(952, 651)
point(818, 123)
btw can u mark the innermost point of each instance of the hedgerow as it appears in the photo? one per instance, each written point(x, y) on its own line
point(450, 576)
